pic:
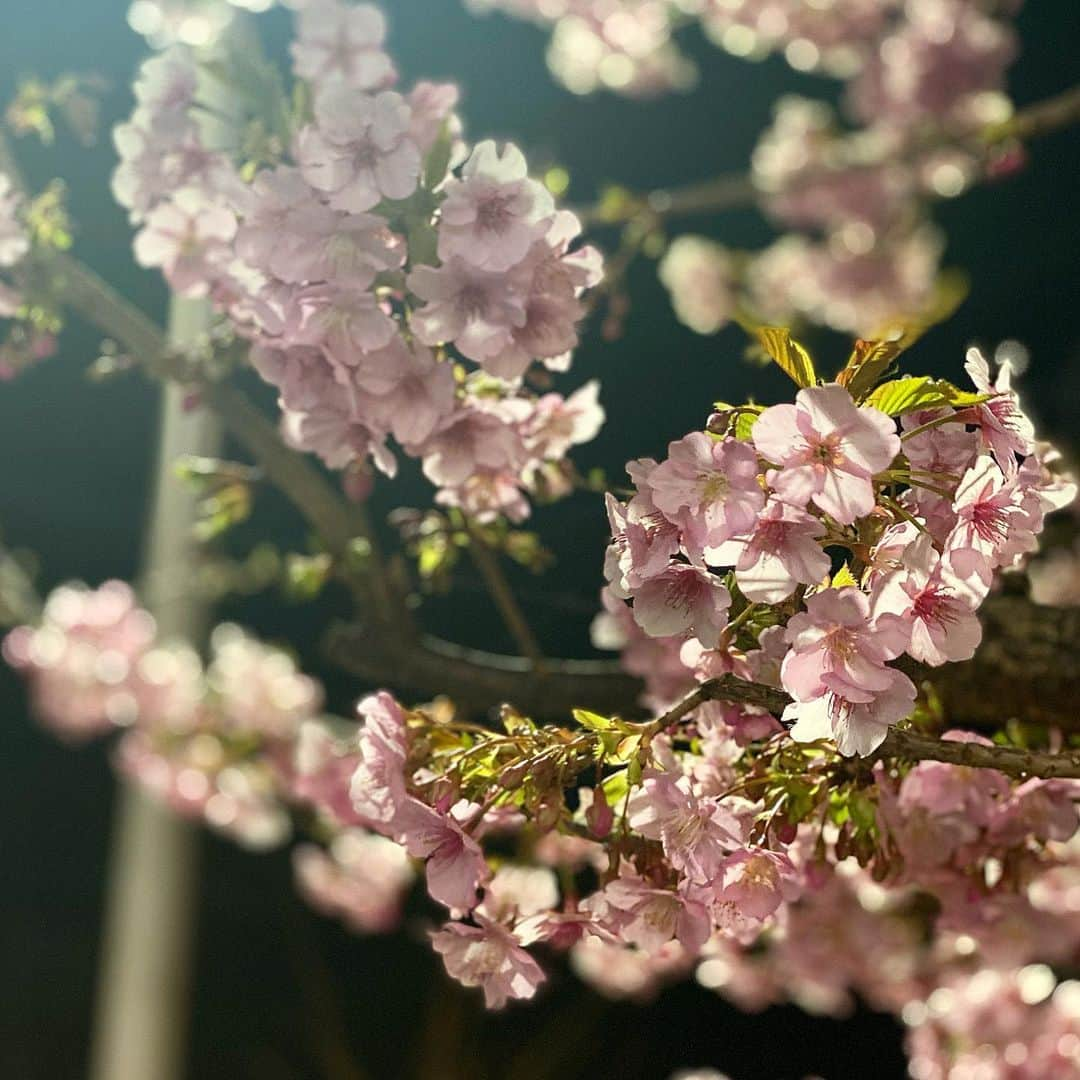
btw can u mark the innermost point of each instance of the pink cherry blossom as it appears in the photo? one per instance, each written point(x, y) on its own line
point(779, 553)
point(413, 393)
point(683, 599)
point(455, 863)
point(697, 833)
point(475, 309)
point(494, 214)
point(757, 881)
point(1004, 430)
point(988, 512)
point(836, 648)
point(488, 955)
point(322, 770)
point(828, 451)
point(345, 322)
point(699, 275)
point(378, 785)
point(650, 917)
point(558, 423)
point(857, 726)
point(931, 603)
point(471, 439)
point(257, 688)
point(708, 485)
point(81, 660)
point(936, 65)
point(359, 150)
point(288, 233)
point(361, 879)
point(643, 541)
point(342, 41)
point(190, 238)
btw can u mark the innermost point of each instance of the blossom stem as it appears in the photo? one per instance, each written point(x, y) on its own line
point(949, 418)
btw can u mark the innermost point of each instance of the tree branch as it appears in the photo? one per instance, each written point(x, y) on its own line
point(1028, 667)
point(734, 190)
point(899, 743)
point(487, 563)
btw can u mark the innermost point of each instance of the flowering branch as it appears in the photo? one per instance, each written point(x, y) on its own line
point(899, 743)
point(734, 190)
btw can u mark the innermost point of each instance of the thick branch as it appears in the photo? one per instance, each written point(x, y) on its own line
point(899, 743)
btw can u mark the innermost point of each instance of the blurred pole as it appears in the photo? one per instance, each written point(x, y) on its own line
point(140, 1027)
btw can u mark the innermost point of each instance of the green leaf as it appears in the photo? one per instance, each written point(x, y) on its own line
point(791, 357)
point(914, 392)
point(305, 575)
point(616, 787)
point(868, 364)
point(592, 721)
point(437, 162)
point(843, 578)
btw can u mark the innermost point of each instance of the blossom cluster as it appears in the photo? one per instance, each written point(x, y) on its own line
point(392, 281)
point(923, 79)
point(918, 889)
point(209, 741)
point(923, 505)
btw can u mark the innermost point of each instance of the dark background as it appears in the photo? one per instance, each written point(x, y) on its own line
point(280, 992)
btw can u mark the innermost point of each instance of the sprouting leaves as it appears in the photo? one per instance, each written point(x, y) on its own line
point(914, 392)
point(791, 357)
point(869, 363)
point(437, 162)
point(224, 489)
point(306, 575)
point(75, 98)
point(47, 218)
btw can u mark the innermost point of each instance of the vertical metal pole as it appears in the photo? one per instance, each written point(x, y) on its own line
point(141, 1018)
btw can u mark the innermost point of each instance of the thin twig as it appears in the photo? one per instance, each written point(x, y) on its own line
point(487, 563)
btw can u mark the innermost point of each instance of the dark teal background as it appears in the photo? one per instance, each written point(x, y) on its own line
point(74, 484)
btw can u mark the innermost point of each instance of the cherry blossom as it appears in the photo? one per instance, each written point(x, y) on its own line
point(361, 879)
point(836, 648)
point(778, 554)
point(715, 483)
point(489, 956)
point(359, 150)
point(190, 238)
point(828, 451)
point(1004, 430)
point(932, 603)
point(494, 214)
point(455, 863)
point(341, 41)
point(697, 833)
point(683, 599)
point(697, 272)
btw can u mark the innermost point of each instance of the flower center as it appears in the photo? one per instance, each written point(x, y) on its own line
point(494, 214)
point(714, 486)
point(991, 522)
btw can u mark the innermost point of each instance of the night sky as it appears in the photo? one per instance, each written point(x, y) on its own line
point(75, 483)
